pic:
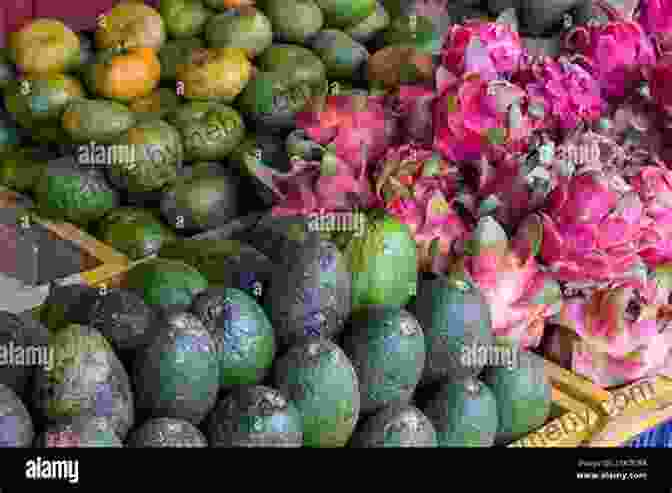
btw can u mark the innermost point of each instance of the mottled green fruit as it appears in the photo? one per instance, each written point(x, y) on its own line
point(248, 29)
point(414, 30)
point(97, 120)
point(342, 13)
point(364, 31)
point(210, 131)
point(157, 153)
point(16, 425)
point(387, 348)
point(19, 331)
point(243, 334)
point(135, 232)
point(523, 395)
point(342, 55)
point(80, 431)
point(455, 317)
point(320, 379)
point(383, 263)
point(256, 416)
point(123, 317)
point(178, 375)
point(84, 378)
point(201, 203)
point(166, 432)
point(72, 194)
point(68, 304)
point(295, 21)
point(169, 284)
point(464, 414)
point(21, 168)
point(310, 294)
point(398, 425)
point(184, 18)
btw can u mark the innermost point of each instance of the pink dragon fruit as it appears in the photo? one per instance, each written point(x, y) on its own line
point(617, 52)
point(624, 333)
point(659, 83)
point(490, 49)
point(655, 17)
point(592, 225)
point(564, 92)
point(419, 188)
point(653, 184)
point(474, 117)
point(310, 187)
point(520, 295)
point(359, 127)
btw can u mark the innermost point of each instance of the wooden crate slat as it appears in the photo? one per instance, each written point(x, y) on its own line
point(578, 387)
point(643, 411)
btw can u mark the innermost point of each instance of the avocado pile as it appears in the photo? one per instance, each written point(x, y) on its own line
point(286, 347)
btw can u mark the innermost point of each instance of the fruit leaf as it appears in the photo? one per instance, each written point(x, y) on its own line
point(451, 103)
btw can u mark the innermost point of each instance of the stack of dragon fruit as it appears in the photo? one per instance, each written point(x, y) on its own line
point(547, 180)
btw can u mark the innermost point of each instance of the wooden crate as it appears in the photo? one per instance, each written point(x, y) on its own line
point(98, 261)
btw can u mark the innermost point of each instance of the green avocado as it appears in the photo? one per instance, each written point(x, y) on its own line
point(397, 425)
point(309, 294)
point(383, 261)
point(523, 395)
point(256, 416)
point(321, 381)
point(68, 304)
point(343, 56)
point(178, 374)
point(168, 284)
point(387, 348)
point(294, 21)
point(248, 29)
point(84, 377)
point(21, 168)
point(464, 414)
point(74, 194)
point(135, 232)
point(97, 120)
point(244, 336)
point(456, 319)
point(210, 131)
point(175, 52)
point(166, 432)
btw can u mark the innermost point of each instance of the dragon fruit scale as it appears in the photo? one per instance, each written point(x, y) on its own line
point(490, 49)
point(624, 331)
point(655, 17)
point(562, 91)
point(520, 294)
point(418, 187)
point(474, 117)
point(618, 53)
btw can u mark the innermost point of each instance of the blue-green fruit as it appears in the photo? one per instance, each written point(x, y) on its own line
point(320, 379)
point(464, 414)
point(456, 319)
point(243, 334)
point(178, 375)
point(166, 432)
point(398, 425)
point(523, 394)
point(256, 416)
point(387, 348)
